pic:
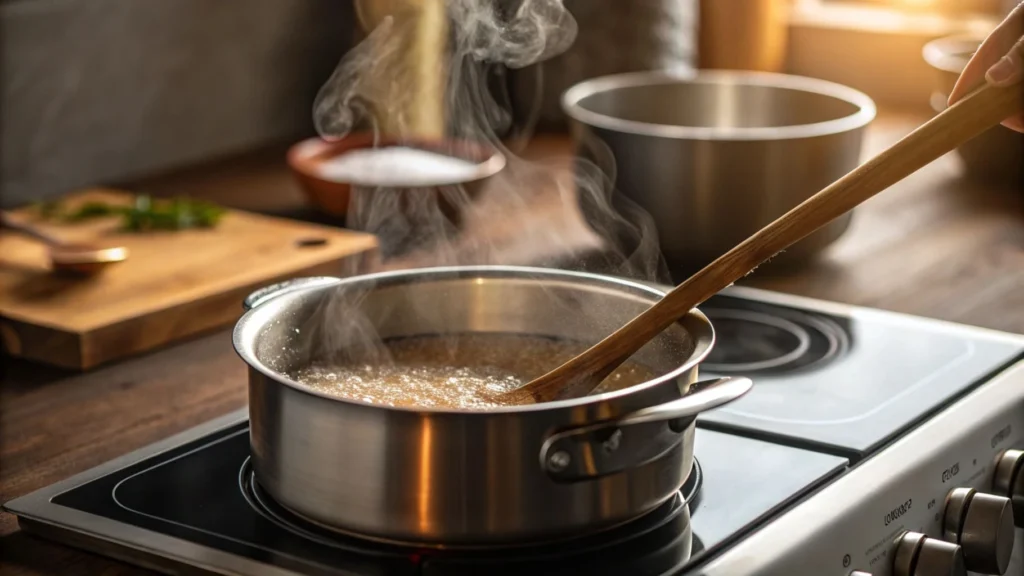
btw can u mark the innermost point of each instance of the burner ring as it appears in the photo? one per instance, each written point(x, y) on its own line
point(772, 340)
point(283, 517)
point(690, 491)
point(838, 339)
point(786, 327)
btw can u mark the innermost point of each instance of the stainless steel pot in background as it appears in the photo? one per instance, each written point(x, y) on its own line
point(715, 156)
point(499, 476)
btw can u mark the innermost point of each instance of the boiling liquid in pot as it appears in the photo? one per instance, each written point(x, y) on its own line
point(468, 371)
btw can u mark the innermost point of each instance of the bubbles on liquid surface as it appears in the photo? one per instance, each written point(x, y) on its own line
point(462, 372)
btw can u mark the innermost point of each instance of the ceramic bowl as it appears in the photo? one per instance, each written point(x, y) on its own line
point(331, 196)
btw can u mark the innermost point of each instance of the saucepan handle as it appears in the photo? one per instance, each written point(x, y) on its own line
point(708, 395)
point(633, 439)
point(267, 293)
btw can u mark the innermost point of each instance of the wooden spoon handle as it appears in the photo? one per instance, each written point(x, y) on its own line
point(959, 123)
point(28, 230)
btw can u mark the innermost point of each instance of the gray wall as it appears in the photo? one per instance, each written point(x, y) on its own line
point(99, 91)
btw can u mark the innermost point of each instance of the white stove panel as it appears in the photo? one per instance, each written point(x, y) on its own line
point(852, 524)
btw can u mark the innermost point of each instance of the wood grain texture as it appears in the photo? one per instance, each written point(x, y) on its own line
point(957, 124)
point(54, 423)
point(935, 244)
point(174, 284)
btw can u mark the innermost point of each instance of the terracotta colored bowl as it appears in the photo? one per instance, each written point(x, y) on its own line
point(332, 197)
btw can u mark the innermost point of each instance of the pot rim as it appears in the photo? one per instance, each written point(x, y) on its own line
point(863, 116)
point(251, 324)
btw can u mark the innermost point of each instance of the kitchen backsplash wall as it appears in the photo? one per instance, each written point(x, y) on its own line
point(99, 91)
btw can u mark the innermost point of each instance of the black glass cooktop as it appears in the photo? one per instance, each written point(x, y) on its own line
point(201, 494)
point(844, 382)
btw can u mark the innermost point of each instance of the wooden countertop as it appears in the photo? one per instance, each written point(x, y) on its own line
point(935, 245)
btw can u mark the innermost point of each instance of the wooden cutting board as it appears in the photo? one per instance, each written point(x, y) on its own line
point(174, 284)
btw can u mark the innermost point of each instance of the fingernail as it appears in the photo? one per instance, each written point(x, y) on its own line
point(1003, 72)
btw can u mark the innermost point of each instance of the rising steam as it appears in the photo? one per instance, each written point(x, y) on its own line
point(480, 37)
point(547, 212)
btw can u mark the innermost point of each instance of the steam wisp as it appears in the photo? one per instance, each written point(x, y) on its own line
point(542, 212)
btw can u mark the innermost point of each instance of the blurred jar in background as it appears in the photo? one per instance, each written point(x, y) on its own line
point(614, 36)
point(742, 35)
point(414, 104)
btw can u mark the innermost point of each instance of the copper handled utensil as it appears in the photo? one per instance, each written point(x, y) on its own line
point(983, 109)
point(68, 256)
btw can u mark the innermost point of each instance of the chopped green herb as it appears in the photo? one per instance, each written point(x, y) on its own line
point(48, 208)
point(91, 210)
point(143, 214)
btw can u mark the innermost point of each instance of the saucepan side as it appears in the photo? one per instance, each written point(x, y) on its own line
point(486, 477)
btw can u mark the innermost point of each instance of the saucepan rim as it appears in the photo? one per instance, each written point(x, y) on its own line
point(574, 96)
point(252, 323)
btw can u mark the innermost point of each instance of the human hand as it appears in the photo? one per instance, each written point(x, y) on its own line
point(999, 61)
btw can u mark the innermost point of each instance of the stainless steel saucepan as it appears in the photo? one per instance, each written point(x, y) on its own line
point(488, 477)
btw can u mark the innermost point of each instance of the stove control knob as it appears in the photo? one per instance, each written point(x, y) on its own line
point(919, 555)
point(982, 524)
point(1009, 481)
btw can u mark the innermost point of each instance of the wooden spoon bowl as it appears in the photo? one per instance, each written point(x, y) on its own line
point(77, 258)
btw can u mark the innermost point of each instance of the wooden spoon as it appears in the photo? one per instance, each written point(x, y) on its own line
point(66, 256)
point(966, 119)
